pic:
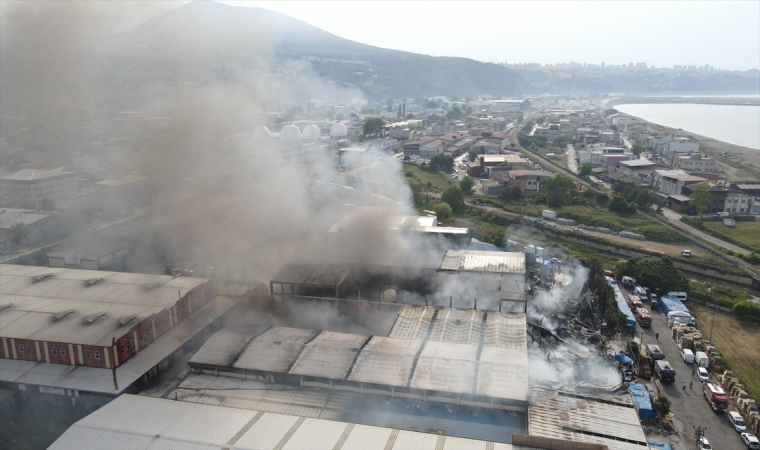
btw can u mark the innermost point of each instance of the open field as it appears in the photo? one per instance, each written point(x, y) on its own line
point(745, 232)
point(737, 340)
point(429, 181)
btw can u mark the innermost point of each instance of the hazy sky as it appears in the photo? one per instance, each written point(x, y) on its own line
point(725, 34)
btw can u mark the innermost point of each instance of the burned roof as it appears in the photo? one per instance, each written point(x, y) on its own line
point(313, 273)
point(479, 261)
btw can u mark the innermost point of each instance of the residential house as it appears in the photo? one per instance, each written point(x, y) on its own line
point(738, 202)
point(694, 162)
point(500, 138)
point(27, 187)
point(530, 182)
point(672, 182)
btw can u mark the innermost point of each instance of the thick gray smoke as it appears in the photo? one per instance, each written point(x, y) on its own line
point(176, 99)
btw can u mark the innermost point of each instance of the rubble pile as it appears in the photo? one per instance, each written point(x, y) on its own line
point(746, 406)
point(688, 337)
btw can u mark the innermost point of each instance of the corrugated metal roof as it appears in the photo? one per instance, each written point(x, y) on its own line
point(329, 355)
point(479, 261)
point(609, 421)
point(313, 273)
point(140, 422)
point(37, 294)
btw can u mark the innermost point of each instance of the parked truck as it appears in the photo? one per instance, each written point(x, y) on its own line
point(715, 396)
point(701, 359)
point(664, 371)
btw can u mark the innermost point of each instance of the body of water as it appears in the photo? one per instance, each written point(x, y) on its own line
point(738, 125)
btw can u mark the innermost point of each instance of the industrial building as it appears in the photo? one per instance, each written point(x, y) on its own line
point(608, 421)
point(434, 368)
point(69, 330)
point(465, 279)
point(27, 187)
point(146, 423)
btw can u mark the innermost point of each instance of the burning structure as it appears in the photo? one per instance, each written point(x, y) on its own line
point(465, 279)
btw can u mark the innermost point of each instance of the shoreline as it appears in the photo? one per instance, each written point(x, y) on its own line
point(743, 163)
point(726, 101)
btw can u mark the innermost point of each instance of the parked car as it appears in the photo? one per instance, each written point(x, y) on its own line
point(704, 375)
point(722, 214)
point(686, 253)
point(703, 444)
point(737, 421)
point(751, 441)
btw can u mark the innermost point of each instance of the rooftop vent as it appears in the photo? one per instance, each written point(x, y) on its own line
point(5, 306)
point(95, 281)
point(42, 276)
point(127, 319)
point(95, 317)
point(63, 314)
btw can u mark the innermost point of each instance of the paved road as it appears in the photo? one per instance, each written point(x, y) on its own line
point(675, 219)
point(689, 407)
point(572, 163)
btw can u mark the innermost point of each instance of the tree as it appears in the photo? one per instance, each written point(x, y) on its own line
point(585, 170)
point(602, 199)
point(554, 127)
point(442, 162)
point(431, 104)
point(619, 205)
point(409, 116)
point(662, 405)
point(700, 198)
point(637, 149)
point(466, 184)
point(454, 114)
point(655, 273)
point(454, 197)
point(618, 188)
point(47, 204)
point(443, 211)
point(643, 199)
point(509, 194)
point(559, 191)
point(742, 309)
point(373, 127)
point(475, 152)
point(18, 233)
point(540, 120)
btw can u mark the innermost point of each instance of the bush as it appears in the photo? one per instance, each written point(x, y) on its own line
point(662, 405)
point(409, 174)
point(742, 309)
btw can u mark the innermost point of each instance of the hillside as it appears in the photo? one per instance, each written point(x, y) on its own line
point(203, 42)
point(642, 83)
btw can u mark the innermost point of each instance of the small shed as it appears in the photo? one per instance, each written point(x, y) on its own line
point(729, 221)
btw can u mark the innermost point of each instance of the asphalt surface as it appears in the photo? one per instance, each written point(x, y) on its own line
point(688, 406)
point(675, 219)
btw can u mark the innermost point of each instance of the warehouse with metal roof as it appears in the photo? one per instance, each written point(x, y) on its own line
point(72, 330)
point(609, 421)
point(476, 373)
point(139, 422)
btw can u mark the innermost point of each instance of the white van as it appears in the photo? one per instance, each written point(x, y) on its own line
point(679, 295)
point(687, 355)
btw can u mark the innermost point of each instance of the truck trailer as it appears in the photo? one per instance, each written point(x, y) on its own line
point(664, 371)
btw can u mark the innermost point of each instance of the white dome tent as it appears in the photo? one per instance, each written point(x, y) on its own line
point(290, 134)
point(261, 133)
point(338, 131)
point(311, 133)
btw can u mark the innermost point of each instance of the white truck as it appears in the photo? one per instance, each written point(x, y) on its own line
point(701, 359)
point(547, 214)
point(682, 317)
point(687, 355)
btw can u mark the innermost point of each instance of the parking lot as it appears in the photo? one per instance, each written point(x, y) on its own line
point(688, 406)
